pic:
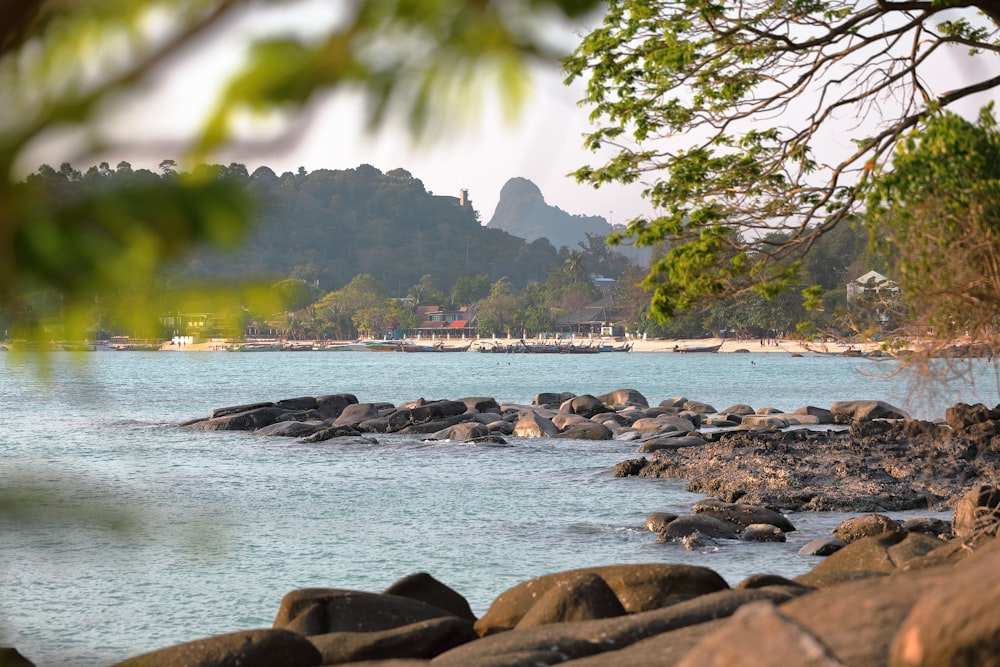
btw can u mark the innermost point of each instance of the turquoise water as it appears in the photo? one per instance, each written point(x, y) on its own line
point(149, 535)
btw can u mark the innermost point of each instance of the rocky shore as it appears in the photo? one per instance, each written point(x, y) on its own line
point(881, 593)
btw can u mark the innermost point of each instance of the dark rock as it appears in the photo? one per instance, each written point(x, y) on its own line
point(551, 398)
point(422, 586)
point(762, 532)
point(624, 397)
point(11, 657)
point(866, 525)
point(631, 468)
point(291, 429)
point(657, 521)
point(249, 420)
point(585, 405)
point(824, 416)
point(740, 409)
point(462, 432)
point(709, 526)
point(676, 402)
point(436, 410)
point(822, 546)
point(234, 409)
point(319, 611)
point(332, 432)
point(867, 410)
point(930, 526)
point(978, 510)
point(742, 514)
point(301, 403)
point(249, 648)
point(355, 413)
point(699, 407)
point(769, 580)
point(332, 406)
point(674, 442)
point(424, 639)
point(481, 404)
point(432, 426)
point(961, 416)
point(585, 431)
point(639, 587)
point(583, 597)
point(867, 556)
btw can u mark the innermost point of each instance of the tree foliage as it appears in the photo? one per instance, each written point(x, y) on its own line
point(62, 63)
point(734, 115)
point(939, 208)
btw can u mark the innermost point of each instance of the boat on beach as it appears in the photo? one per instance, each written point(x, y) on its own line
point(697, 349)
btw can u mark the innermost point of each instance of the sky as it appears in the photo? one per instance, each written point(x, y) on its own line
point(544, 144)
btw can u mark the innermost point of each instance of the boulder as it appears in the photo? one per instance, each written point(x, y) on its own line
point(481, 404)
point(234, 409)
point(664, 424)
point(291, 429)
point(436, 410)
point(766, 421)
point(670, 442)
point(742, 514)
point(332, 405)
point(424, 640)
point(824, 416)
point(866, 525)
point(422, 586)
point(762, 532)
point(639, 587)
point(699, 407)
point(301, 403)
point(249, 420)
point(709, 526)
point(822, 546)
point(355, 413)
point(977, 511)
point(552, 398)
point(740, 409)
point(961, 416)
point(433, 425)
point(583, 597)
point(319, 611)
point(657, 521)
point(333, 432)
point(533, 425)
point(603, 638)
point(930, 526)
point(624, 397)
point(873, 556)
point(676, 402)
point(462, 432)
point(585, 431)
point(585, 405)
point(248, 648)
point(867, 410)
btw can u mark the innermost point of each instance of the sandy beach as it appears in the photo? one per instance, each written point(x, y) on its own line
point(729, 345)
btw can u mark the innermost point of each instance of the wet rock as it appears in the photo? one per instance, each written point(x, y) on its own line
point(332, 406)
point(585, 431)
point(462, 432)
point(481, 404)
point(704, 524)
point(356, 413)
point(657, 521)
point(585, 405)
point(742, 513)
point(699, 407)
point(930, 526)
point(670, 442)
point(291, 429)
point(822, 415)
point(867, 410)
point(301, 403)
point(822, 546)
point(552, 398)
point(762, 532)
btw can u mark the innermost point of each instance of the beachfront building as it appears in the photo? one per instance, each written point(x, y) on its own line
point(437, 322)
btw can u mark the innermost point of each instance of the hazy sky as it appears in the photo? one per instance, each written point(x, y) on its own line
point(544, 144)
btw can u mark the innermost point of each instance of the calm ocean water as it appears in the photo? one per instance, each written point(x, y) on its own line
point(147, 535)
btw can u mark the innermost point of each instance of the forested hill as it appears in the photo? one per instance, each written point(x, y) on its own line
point(329, 226)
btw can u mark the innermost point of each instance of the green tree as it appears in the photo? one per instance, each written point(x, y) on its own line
point(61, 64)
point(467, 290)
point(939, 211)
point(726, 110)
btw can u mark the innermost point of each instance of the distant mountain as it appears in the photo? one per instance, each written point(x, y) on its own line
point(522, 212)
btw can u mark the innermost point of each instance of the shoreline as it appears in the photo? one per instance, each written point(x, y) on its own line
point(729, 345)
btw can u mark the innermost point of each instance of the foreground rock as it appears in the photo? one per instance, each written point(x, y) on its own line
point(932, 603)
